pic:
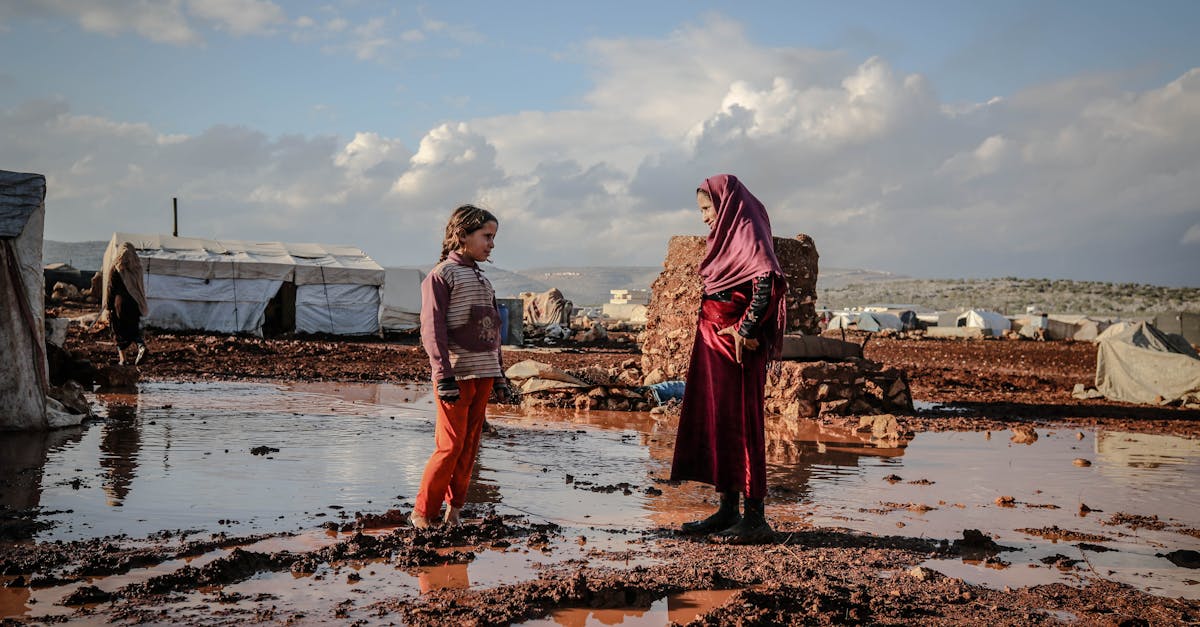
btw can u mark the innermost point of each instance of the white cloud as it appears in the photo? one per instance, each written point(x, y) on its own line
point(239, 17)
point(1192, 236)
point(1080, 178)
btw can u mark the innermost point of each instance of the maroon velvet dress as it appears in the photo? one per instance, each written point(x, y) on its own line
point(720, 439)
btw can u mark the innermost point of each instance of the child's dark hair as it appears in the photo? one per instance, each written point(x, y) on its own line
point(465, 220)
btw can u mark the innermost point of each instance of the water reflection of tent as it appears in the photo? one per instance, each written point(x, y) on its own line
point(236, 286)
point(984, 319)
point(1144, 365)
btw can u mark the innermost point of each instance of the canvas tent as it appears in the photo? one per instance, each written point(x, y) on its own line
point(1113, 329)
point(234, 286)
point(984, 319)
point(1144, 365)
point(23, 371)
point(400, 309)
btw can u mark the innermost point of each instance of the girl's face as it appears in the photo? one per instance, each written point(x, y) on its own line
point(708, 213)
point(478, 244)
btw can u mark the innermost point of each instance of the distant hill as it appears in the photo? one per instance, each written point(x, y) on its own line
point(1011, 295)
point(81, 255)
point(836, 287)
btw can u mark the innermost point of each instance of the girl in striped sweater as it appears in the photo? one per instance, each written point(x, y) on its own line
point(460, 330)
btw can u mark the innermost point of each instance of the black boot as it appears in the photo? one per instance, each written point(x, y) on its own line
point(724, 517)
point(751, 529)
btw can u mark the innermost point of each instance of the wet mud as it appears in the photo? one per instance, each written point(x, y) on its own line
point(162, 512)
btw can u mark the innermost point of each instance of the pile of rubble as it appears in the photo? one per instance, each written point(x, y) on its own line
point(817, 389)
point(615, 389)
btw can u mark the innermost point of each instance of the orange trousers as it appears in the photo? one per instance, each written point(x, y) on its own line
point(448, 471)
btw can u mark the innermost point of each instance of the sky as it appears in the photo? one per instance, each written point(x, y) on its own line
point(1039, 139)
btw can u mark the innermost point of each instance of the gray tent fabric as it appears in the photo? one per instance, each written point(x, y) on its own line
point(23, 374)
point(1144, 365)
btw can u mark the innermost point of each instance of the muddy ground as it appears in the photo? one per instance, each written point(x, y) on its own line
point(805, 575)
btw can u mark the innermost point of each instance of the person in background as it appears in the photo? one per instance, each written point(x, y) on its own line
point(460, 330)
point(124, 301)
point(721, 439)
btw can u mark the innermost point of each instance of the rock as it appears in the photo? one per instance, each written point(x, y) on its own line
point(117, 377)
point(56, 330)
point(70, 394)
point(1024, 435)
point(1079, 461)
point(1005, 501)
point(920, 573)
point(65, 291)
point(655, 376)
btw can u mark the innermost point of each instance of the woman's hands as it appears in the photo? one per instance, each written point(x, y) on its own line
point(739, 343)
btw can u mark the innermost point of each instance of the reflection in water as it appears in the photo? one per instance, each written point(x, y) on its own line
point(23, 457)
point(119, 446)
point(444, 577)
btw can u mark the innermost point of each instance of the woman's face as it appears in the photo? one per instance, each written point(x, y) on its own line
point(708, 213)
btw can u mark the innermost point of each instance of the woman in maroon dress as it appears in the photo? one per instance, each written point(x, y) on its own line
point(740, 328)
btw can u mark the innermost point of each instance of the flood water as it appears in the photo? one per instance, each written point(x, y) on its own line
point(178, 456)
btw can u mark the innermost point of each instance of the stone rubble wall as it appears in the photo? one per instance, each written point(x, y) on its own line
point(794, 388)
point(675, 301)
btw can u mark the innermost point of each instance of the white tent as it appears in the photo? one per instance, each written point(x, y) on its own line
point(23, 372)
point(984, 319)
point(227, 285)
point(401, 306)
point(842, 320)
point(1144, 365)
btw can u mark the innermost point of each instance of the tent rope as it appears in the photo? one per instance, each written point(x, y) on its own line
point(328, 307)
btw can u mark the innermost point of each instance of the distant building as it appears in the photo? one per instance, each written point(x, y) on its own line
point(629, 297)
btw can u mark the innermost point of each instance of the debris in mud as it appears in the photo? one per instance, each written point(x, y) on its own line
point(1056, 534)
point(1094, 548)
point(263, 450)
point(975, 545)
point(1006, 501)
point(919, 508)
point(1079, 461)
point(1135, 521)
point(1061, 561)
point(893, 479)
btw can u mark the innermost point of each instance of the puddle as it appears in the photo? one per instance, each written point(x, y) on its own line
point(177, 456)
point(680, 608)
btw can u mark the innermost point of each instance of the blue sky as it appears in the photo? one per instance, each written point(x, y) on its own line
point(1044, 139)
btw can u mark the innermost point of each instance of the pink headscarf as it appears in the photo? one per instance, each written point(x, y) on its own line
point(740, 248)
point(739, 245)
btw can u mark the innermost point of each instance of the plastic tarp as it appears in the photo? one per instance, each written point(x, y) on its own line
point(1144, 365)
point(337, 309)
point(401, 306)
point(876, 321)
point(23, 372)
point(842, 321)
point(546, 308)
point(984, 319)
